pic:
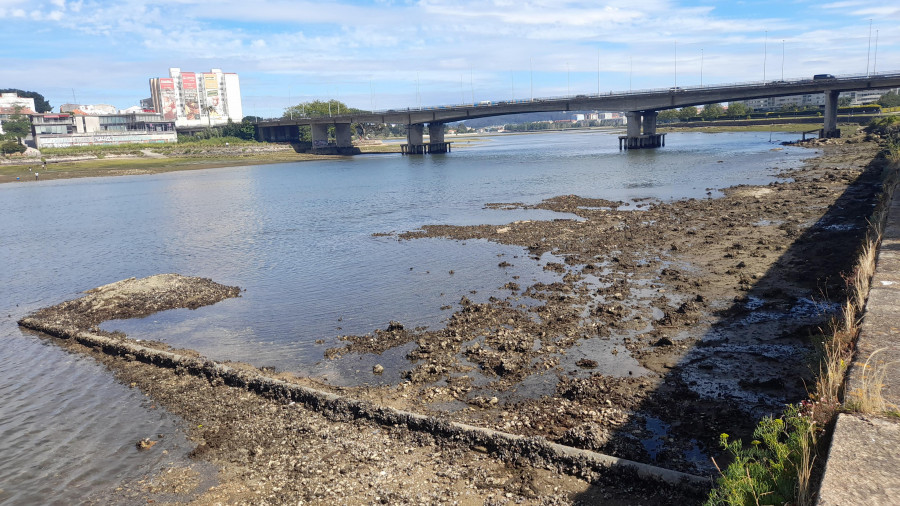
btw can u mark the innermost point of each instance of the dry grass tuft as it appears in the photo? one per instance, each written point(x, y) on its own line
point(805, 493)
point(867, 397)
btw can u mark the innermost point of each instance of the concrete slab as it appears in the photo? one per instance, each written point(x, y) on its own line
point(862, 463)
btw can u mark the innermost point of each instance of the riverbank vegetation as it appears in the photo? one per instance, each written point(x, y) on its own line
point(778, 466)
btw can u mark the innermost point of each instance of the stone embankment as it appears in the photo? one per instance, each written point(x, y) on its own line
point(864, 460)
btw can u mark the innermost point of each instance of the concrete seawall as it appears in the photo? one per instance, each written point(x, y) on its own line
point(864, 459)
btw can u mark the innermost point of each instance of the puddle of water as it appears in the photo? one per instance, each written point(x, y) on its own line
point(658, 430)
point(804, 308)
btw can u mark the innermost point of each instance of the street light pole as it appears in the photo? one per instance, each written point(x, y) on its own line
point(782, 59)
point(701, 67)
point(869, 53)
point(765, 54)
point(875, 61)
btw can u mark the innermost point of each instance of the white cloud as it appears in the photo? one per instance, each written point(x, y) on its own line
point(493, 43)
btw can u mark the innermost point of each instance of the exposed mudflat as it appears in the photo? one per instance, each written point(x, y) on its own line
point(670, 324)
point(257, 447)
point(135, 298)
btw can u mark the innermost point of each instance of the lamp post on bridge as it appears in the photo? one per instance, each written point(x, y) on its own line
point(782, 59)
point(676, 64)
point(869, 52)
point(701, 67)
point(875, 61)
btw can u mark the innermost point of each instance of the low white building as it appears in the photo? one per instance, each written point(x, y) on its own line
point(13, 100)
point(860, 97)
point(66, 130)
point(89, 109)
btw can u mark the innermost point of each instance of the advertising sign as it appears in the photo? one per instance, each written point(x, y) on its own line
point(215, 107)
point(191, 97)
point(169, 99)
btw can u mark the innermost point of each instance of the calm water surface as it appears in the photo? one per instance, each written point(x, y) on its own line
point(298, 238)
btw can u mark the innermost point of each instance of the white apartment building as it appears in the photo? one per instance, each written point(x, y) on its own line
point(197, 100)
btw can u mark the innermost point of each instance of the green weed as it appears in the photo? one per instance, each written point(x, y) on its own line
point(767, 470)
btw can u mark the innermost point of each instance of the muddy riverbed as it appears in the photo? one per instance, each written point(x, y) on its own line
point(672, 323)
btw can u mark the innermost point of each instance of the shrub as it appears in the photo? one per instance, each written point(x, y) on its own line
point(886, 125)
point(766, 471)
point(10, 147)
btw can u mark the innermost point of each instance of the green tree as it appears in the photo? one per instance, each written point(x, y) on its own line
point(668, 115)
point(890, 99)
point(318, 109)
point(40, 103)
point(246, 129)
point(688, 112)
point(712, 111)
point(738, 109)
point(844, 101)
point(461, 128)
point(17, 127)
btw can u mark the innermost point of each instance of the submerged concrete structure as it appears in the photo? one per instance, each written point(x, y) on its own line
point(641, 131)
point(641, 108)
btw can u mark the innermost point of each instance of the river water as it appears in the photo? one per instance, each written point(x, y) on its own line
point(307, 242)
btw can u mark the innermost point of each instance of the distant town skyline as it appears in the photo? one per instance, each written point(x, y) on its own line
point(385, 54)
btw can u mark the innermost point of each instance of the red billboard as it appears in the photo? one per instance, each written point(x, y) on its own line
point(169, 99)
point(191, 97)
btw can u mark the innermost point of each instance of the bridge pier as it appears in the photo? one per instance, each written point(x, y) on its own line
point(830, 129)
point(435, 132)
point(342, 137)
point(319, 136)
point(416, 144)
point(342, 145)
point(634, 138)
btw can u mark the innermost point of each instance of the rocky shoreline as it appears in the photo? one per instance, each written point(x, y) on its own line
point(671, 323)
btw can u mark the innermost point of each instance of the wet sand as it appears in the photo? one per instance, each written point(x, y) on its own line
point(714, 306)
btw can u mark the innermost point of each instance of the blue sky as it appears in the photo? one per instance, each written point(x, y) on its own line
point(389, 54)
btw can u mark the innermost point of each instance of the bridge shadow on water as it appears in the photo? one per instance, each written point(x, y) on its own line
point(753, 352)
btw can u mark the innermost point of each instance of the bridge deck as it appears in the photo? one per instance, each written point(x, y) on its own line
point(644, 100)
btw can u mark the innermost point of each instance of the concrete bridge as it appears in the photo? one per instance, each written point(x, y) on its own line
point(641, 109)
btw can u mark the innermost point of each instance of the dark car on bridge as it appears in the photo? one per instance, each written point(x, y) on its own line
point(822, 76)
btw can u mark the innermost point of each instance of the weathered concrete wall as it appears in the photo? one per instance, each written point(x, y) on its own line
point(66, 141)
point(864, 459)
